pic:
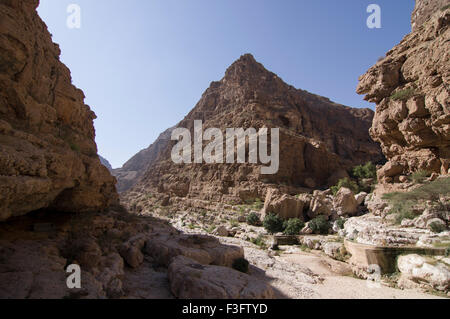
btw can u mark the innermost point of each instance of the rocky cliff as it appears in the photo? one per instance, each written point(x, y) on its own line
point(424, 9)
point(319, 139)
point(130, 173)
point(48, 154)
point(411, 89)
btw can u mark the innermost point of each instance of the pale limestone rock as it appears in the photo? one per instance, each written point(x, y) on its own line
point(191, 280)
point(361, 197)
point(345, 202)
point(426, 269)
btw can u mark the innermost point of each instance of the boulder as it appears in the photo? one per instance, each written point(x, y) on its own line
point(360, 198)
point(131, 251)
point(221, 231)
point(345, 202)
point(334, 250)
point(203, 249)
point(191, 280)
point(434, 272)
point(285, 206)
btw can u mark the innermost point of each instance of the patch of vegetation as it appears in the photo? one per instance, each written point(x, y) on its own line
point(369, 170)
point(273, 223)
point(403, 203)
point(340, 223)
point(234, 223)
point(347, 183)
point(403, 95)
point(419, 177)
point(437, 227)
point(259, 241)
point(445, 7)
point(253, 219)
point(320, 225)
point(256, 204)
point(293, 226)
point(210, 229)
point(74, 147)
point(241, 264)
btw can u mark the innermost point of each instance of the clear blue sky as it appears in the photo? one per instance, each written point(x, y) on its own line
point(143, 64)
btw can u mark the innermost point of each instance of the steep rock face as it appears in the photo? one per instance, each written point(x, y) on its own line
point(319, 139)
point(129, 174)
point(48, 155)
point(411, 89)
point(424, 9)
point(105, 163)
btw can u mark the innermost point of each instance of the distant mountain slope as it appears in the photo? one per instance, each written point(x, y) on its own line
point(129, 174)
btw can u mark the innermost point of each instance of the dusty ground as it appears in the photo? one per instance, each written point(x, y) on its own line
point(295, 274)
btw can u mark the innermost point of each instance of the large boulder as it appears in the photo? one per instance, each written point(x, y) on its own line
point(345, 202)
point(431, 271)
point(191, 280)
point(283, 205)
point(203, 249)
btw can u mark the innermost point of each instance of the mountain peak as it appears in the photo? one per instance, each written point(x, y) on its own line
point(246, 67)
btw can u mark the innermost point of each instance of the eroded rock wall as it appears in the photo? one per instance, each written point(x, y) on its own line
point(48, 154)
point(424, 9)
point(411, 87)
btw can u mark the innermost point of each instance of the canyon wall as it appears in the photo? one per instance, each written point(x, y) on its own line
point(411, 87)
point(48, 154)
point(424, 9)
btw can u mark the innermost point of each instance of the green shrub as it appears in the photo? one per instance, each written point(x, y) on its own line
point(293, 226)
point(320, 225)
point(259, 241)
point(340, 223)
point(437, 227)
point(420, 176)
point(445, 7)
point(75, 147)
point(403, 95)
point(273, 223)
point(241, 264)
point(369, 170)
point(253, 219)
point(402, 203)
point(347, 183)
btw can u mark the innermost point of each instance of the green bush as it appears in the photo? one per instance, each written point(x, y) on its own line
point(259, 241)
point(420, 176)
point(402, 203)
point(293, 226)
point(320, 225)
point(347, 183)
point(340, 223)
point(369, 170)
point(241, 264)
point(253, 219)
point(437, 227)
point(403, 95)
point(273, 223)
